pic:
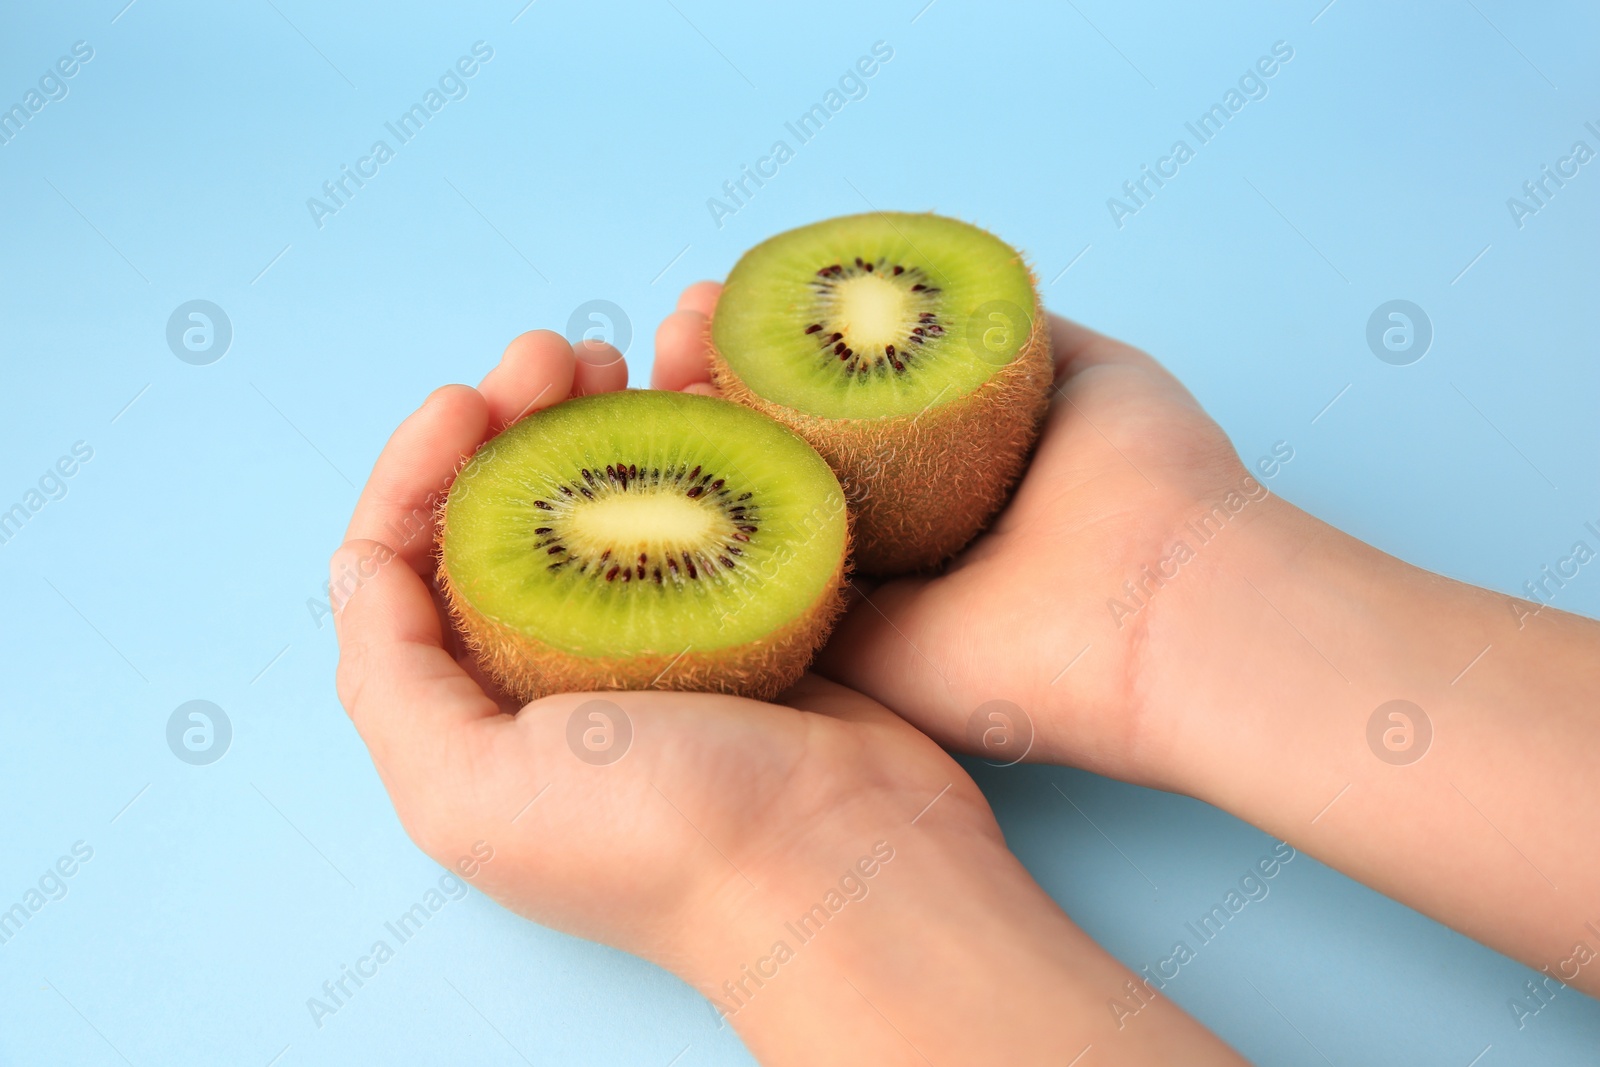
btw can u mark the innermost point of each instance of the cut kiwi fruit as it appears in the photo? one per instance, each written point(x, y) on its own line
point(632, 540)
point(912, 352)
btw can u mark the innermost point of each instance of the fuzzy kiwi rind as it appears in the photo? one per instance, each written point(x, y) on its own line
point(527, 667)
point(922, 486)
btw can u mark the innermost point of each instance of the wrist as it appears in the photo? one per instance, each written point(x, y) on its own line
point(1183, 627)
point(1240, 661)
point(1404, 728)
point(1291, 634)
point(946, 951)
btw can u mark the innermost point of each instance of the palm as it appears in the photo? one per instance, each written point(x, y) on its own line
point(1126, 458)
point(709, 798)
point(607, 815)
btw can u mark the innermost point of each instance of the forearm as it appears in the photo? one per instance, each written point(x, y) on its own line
point(954, 955)
point(1276, 660)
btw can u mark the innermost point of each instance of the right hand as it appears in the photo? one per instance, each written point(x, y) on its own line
point(1126, 458)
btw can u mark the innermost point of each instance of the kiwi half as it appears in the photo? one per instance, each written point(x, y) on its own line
point(633, 540)
point(911, 351)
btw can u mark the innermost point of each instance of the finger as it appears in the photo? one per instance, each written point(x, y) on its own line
point(1076, 347)
point(403, 691)
point(536, 371)
point(600, 369)
point(702, 389)
point(877, 651)
point(701, 297)
point(456, 647)
point(817, 694)
point(683, 351)
point(397, 505)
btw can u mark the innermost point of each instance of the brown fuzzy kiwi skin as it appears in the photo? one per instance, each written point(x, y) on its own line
point(526, 668)
point(921, 487)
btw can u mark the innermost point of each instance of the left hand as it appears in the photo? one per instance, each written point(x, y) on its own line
point(712, 824)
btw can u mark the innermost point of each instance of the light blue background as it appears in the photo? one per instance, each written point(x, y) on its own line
point(180, 562)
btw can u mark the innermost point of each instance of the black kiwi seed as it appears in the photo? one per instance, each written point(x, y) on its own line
point(696, 484)
point(855, 364)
